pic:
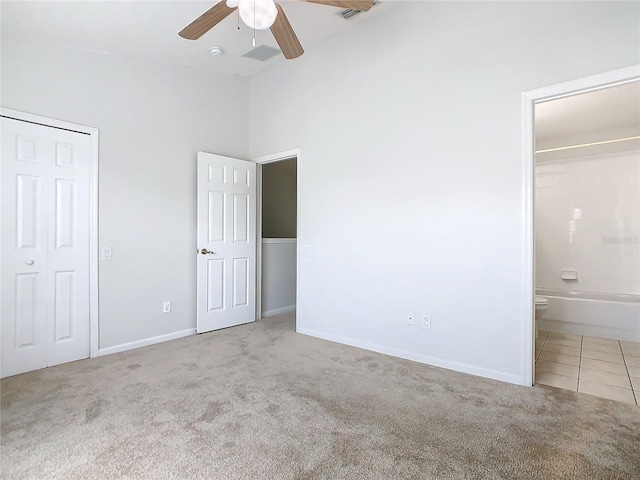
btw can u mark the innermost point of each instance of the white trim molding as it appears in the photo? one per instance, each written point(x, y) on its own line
point(278, 311)
point(529, 99)
point(146, 342)
point(276, 157)
point(416, 357)
point(278, 240)
point(94, 134)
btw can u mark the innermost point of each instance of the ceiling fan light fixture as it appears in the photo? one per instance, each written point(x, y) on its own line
point(258, 14)
point(232, 3)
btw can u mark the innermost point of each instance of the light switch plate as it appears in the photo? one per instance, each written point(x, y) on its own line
point(306, 250)
point(106, 254)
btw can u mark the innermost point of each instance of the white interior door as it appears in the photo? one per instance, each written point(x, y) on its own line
point(226, 265)
point(45, 246)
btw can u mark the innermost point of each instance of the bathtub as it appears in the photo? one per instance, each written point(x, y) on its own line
point(607, 315)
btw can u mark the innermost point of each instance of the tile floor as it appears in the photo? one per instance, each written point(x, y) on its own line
point(596, 366)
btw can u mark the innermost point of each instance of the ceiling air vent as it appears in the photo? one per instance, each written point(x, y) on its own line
point(350, 12)
point(262, 53)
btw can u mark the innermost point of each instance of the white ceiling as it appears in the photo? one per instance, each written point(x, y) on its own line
point(149, 30)
point(589, 115)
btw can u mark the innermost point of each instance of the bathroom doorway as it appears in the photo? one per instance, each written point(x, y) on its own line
point(584, 179)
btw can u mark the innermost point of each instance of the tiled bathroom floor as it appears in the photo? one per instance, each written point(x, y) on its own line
point(596, 366)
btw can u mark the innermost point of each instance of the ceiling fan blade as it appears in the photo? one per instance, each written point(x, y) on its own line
point(206, 21)
point(285, 36)
point(362, 5)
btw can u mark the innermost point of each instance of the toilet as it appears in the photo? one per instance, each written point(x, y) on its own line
point(542, 305)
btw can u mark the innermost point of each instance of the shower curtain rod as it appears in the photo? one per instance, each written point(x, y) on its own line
point(589, 144)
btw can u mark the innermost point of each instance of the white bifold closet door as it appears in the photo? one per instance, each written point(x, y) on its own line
point(45, 246)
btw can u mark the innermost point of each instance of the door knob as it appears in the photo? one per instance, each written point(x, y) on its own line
point(204, 251)
point(29, 262)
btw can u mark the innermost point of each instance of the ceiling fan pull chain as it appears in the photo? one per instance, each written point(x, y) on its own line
point(238, 18)
point(254, 23)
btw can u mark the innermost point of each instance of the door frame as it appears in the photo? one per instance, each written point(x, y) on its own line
point(529, 99)
point(93, 133)
point(276, 157)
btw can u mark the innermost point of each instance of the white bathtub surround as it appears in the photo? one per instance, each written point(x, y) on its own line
point(278, 275)
point(613, 316)
point(587, 216)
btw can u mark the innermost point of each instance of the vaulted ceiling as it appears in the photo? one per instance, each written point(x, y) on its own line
point(149, 30)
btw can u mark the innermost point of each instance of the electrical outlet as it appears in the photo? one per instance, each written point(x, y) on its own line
point(426, 321)
point(166, 307)
point(411, 318)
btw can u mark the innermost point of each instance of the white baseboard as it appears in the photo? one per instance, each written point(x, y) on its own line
point(146, 342)
point(417, 357)
point(277, 311)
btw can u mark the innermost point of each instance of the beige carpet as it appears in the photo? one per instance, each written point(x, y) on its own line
point(261, 402)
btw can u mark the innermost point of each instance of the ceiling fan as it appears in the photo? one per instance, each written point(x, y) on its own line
point(260, 15)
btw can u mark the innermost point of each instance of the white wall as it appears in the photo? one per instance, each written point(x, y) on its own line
point(152, 120)
point(411, 170)
point(278, 275)
point(587, 216)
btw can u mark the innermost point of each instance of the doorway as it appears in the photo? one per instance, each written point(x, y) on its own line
point(49, 252)
point(278, 221)
point(531, 101)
